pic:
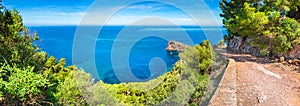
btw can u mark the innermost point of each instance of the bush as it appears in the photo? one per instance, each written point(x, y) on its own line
point(24, 86)
point(198, 57)
point(135, 93)
point(288, 34)
point(69, 91)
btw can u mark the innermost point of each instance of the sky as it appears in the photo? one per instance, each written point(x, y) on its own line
point(72, 12)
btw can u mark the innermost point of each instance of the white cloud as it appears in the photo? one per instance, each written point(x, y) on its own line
point(67, 15)
point(70, 13)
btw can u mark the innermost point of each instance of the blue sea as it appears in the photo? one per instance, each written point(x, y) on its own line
point(146, 46)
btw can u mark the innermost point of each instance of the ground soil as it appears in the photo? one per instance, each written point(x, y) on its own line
point(265, 82)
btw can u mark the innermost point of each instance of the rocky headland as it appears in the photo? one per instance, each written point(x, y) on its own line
point(174, 47)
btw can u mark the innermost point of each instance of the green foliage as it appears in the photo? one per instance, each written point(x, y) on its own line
point(28, 76)
point(229, 11)
point(135, 93)
point(249, 22)
point(24, 85)
point(1, 87)
point(279, 37)
point(69, 91)
point(196, 66)
point(198, 57)
point(202, 82)
point(101, 96)
point(288, 34)
point(16, 42)
point(57, 71)
point(68, 82)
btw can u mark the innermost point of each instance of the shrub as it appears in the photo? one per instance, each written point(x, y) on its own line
point(198, 58)
point(24, 86)
point(288, 34)
point(69, 91)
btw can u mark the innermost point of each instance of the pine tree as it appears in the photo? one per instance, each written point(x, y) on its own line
point(230, 10)
point(263, 21)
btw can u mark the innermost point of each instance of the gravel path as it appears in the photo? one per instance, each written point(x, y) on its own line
point(257, 85)
point(261, 82)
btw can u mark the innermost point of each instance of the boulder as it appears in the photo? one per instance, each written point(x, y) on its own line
point(290, 61)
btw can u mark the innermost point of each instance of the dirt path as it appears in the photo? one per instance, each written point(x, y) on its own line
point(261, 82)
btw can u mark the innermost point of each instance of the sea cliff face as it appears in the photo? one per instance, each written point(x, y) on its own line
point(239, 45)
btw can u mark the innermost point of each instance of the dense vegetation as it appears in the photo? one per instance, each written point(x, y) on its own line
point(270, 24)
point(29, 76)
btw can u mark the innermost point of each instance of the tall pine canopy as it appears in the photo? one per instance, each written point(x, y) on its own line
point(270, 24)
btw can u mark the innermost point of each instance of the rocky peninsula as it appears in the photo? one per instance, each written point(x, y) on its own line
point(174, 47)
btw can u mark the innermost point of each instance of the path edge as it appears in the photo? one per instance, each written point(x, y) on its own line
point(226, 90)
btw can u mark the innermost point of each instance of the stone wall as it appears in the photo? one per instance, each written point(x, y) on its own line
point(225, 95)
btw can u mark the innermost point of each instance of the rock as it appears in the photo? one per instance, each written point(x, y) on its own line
point(285, 63)
point(296, 61)
point(276, 60)
point(237, 44)
point(295, 52)
point(240, 45)
point(282, 59)
point(260, 99)
point(174, 47)
point(290, 61)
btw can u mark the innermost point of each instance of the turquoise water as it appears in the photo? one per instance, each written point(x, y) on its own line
point(58, 41)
